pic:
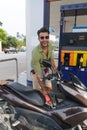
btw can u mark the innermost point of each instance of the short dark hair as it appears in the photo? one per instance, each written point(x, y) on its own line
point(43, 29)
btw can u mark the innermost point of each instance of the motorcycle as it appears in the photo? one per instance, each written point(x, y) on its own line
point(24, 109)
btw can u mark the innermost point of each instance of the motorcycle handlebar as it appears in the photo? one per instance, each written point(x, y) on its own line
point(56, 76)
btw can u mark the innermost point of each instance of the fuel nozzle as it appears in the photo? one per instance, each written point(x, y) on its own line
point(81, 61)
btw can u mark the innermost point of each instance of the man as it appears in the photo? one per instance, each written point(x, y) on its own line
point(42, 51)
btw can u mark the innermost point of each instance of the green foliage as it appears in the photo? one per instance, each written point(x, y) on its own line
point(3, 37)
point(11, 41)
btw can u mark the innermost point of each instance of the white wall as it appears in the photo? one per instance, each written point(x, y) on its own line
point(34, 21)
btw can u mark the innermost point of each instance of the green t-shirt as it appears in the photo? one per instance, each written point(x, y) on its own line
point(38, 56)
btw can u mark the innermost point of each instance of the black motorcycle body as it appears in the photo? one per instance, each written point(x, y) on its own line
point(32, 112)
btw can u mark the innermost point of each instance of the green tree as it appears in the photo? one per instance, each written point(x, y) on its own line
point(14, 42)
point(11, 41)
point(3, 37)
point(21, 38)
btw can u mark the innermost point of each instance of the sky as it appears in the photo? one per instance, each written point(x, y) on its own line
point(12, 15)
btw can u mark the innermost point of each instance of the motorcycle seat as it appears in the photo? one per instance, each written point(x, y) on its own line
point(32, 96)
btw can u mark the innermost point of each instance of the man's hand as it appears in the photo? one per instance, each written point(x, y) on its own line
point(55, 70)
point(39, 77)
point(41, 83)
point(3, 82)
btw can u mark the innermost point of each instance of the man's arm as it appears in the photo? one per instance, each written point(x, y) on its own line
point(43, 87)
point(54, 67)
point(36, 66)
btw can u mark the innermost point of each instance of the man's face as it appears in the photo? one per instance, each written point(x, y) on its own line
point(44, 39)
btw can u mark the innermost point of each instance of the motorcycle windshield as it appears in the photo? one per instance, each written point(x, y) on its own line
point(74, 95)
point(77, 83)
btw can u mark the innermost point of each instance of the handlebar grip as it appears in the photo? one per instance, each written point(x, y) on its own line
point(48, 100)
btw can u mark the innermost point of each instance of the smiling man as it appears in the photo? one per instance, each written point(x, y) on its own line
point(43, 50)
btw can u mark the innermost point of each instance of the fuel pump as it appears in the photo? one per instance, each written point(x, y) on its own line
point(73, 41)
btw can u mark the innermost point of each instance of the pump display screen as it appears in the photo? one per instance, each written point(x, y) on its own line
point(74, 39)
